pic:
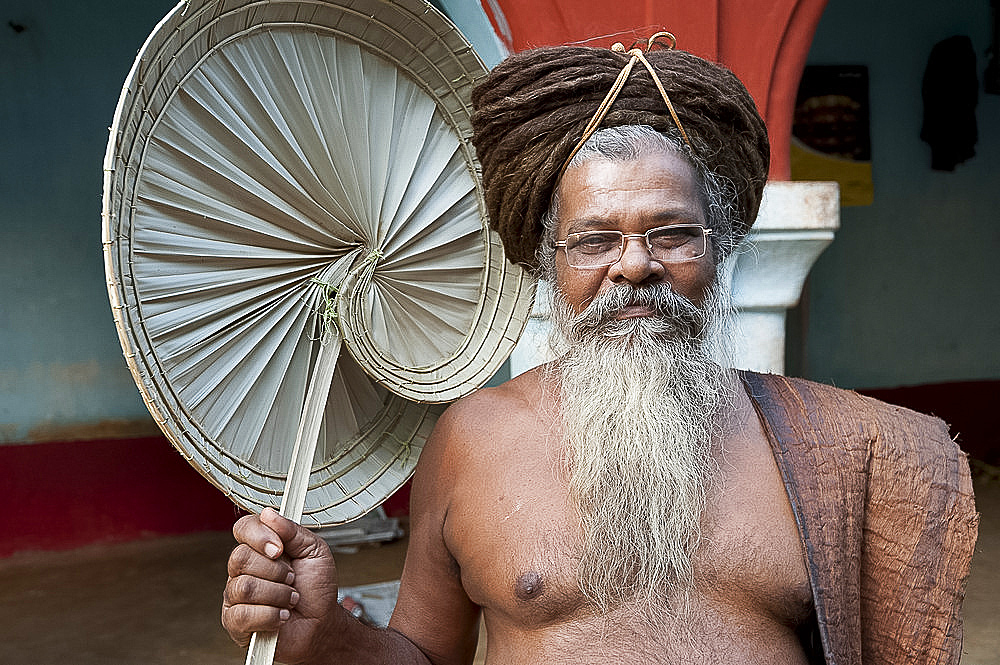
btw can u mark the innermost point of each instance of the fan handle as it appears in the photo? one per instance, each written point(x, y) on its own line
point(262, 645)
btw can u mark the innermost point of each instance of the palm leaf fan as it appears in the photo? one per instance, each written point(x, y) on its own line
point(293, 216)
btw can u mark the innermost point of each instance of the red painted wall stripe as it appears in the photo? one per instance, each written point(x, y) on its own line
point(61, 495)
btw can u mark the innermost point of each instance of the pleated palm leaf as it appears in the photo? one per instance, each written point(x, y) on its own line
point(281, 177)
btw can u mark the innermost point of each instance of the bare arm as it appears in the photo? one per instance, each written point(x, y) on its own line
point(283, 577)
point(433, 608)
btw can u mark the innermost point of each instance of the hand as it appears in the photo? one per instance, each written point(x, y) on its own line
point(281, 577)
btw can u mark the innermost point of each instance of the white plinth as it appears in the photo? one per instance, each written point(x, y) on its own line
point(797, 220)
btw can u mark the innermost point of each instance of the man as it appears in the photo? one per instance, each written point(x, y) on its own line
point(633, 501)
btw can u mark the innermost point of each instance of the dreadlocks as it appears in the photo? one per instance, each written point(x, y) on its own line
point(533, 108)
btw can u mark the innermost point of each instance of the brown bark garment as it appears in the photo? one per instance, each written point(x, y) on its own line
point(884, 504)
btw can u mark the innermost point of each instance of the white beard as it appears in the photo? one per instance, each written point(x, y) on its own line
point(639, 400)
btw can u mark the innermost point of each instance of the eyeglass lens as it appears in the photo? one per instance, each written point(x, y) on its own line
point(671, 244)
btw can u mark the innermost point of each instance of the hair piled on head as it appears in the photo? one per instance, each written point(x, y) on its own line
point(532, 109)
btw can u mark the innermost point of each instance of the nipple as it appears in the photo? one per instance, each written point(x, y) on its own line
point(529, 586)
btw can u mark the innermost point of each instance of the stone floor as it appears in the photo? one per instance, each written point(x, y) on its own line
point(157, 602)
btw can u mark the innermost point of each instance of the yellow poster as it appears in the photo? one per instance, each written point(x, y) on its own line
point(830, 133)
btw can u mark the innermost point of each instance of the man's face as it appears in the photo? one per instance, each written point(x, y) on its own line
point(657, 189)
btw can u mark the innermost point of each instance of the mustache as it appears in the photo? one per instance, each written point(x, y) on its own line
point(674, 315)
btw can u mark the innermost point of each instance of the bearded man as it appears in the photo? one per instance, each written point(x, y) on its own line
point(635, 501)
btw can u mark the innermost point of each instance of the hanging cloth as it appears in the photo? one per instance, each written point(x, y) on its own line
point(950, 92)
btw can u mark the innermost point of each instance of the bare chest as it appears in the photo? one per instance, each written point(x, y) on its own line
point(517, 544)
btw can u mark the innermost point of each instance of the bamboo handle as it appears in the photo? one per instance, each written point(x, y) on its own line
point(293, 500)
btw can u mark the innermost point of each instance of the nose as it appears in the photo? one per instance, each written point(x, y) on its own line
point(636, 265)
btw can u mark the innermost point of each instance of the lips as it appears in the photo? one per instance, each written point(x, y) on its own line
point(618, 311)
point(634, 312)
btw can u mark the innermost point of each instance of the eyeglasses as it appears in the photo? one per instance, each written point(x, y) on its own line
point(670, 244)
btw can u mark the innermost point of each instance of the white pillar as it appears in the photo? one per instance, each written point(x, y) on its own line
point(796, 222)
point(532, 347)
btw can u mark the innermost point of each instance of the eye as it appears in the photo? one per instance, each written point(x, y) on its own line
point(597, 242)
point(672, 237)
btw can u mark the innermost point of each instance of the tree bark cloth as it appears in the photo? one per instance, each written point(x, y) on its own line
point(883, 501)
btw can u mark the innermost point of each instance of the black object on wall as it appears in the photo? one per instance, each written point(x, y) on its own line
point(991, 77)
point(950, 92)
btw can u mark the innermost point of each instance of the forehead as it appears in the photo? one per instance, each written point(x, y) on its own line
point(633, 195)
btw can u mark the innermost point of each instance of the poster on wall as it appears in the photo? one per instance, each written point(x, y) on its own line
point(831, 137)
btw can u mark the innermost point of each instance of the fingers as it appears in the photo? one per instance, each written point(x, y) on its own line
point(248, 590)
point(242, 621)
point(274, 554)
point(297, 541)
point(244, 560)
point(251, 531)
point(251, 604)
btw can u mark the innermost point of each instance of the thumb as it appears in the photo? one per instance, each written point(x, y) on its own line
point(297, 542)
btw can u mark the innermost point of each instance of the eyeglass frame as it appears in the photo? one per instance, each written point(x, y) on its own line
point(624, 243)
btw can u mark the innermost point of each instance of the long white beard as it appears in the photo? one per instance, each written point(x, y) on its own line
point(639, 404)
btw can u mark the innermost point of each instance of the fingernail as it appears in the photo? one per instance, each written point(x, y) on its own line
point(295, 598)
point(284, 615)
point(271, 550)
point(289, 578)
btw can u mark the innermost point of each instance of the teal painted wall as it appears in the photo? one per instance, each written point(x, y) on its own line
point(61, 367)
point(907, 292)
point(895, 300)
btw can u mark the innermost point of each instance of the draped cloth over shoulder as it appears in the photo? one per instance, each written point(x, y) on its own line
point(884, 504)
point(281, 177)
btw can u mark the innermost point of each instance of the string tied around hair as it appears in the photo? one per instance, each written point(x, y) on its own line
point(637, 55)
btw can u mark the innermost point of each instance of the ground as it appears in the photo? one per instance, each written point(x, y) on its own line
point(157, 602)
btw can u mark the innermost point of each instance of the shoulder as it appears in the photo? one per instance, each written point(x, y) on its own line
point(479, 430)
point(848, 414)
point(494, 412)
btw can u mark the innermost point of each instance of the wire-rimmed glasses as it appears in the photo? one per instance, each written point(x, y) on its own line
point(670, 244)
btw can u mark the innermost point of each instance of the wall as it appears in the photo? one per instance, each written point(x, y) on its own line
point(906, 294)
point(61, 371)
point(80, 458)
point(892, 301)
